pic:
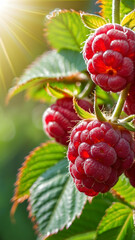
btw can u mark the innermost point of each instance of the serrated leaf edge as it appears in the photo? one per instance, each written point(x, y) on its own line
point(79, 77)
point(16, 199)
point(33, 218)
point(106, 212)
point(54, 14)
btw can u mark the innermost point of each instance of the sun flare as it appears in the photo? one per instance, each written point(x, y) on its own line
point(3, 5)
point(17, 32)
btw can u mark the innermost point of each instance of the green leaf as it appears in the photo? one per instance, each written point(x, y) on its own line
point(93, 21)
point(117, 224)
point(65, 30)
point(124, 190)
point(55, 202)
point(57, 92)
point(38, 93)
point(85, 236)
point(106, 8)
point(81, 112)
point(37, 162)
point(129, 4)
point(129, 20)
point(90, 217)
point(52, 66)
point(126, 7)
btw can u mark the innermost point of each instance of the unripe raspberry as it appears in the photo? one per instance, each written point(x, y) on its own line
point(110, 56)
point(99, 153)
point(60, 118)
point(129, 106)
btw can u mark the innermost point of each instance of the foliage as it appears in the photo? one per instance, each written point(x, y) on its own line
point(54, 202)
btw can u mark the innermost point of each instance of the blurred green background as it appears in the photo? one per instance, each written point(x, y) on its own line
point(21, 41)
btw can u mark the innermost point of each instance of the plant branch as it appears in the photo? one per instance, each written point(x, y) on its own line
point(120, 103)
point(116, 11)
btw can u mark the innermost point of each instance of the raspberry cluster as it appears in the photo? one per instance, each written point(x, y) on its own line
point(98, 155)
point(60, 118)
point(110, 56)
point(129, 106)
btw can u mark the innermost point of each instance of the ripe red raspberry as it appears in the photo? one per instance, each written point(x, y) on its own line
point(99, 153)
point(130, 173)
point(129, 106)
point(110, 56)
point(60, 118)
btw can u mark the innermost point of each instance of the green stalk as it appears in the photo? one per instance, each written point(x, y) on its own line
point(124, 93)
point(120, 103)
point(116, 11)
point(87, 90)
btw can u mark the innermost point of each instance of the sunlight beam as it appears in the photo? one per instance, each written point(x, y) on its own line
point(15, 36)
point(21, 28)
point(2, 80)
point(28, 11)
point(7, 57)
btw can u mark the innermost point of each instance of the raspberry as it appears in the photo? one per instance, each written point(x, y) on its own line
point(129, 106)
point(130, 173)
point(60, 118)
point(110, 55)
point(98, 155)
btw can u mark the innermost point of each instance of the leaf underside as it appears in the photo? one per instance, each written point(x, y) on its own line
point(90, 217)
point(37, 162)
point(54, 200)
point(63, 66)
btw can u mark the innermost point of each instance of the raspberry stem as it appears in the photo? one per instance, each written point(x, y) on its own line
point(87, 90)
point(120, 103)
point(116, 11)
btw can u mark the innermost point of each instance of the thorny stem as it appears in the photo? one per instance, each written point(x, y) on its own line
point(120, 103)
point(87, 90)
point(116, 11)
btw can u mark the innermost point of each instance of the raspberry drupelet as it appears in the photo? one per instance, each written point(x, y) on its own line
point(60, 118)
point(110, 57)
point(98, 155)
